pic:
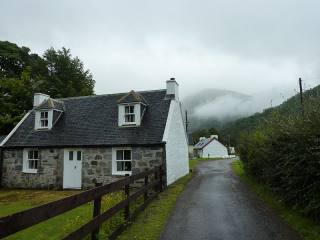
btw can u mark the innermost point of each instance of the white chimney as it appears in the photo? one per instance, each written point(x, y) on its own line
point(173, 89)
point(214, 136)
point(202, 138)
point(38, 98)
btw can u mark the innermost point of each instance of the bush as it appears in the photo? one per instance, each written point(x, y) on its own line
point(284, 153)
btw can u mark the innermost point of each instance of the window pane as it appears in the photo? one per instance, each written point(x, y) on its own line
point(127, 166)
point(46, 114)
point(30, 154)
point(42, 114)
point(127, 154)
point(35, 164)
point(119, 155)
point(132, 118)
point(79, 155)
point(30, 164)
point(70, 155)
point(35, 154)
point(126, 108)
point(120, 166)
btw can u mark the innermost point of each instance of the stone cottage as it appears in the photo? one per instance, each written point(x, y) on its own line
point(72, 143)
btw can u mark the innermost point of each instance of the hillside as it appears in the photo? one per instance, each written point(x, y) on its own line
point(213, 107)
point(289, 107)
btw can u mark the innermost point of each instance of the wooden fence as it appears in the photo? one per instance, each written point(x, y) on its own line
point(22, 220)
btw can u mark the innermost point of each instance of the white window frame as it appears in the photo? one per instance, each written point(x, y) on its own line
point(44, 119)
point(40, 119)
point(130, 114)
point(26, 160)
point(115, 160)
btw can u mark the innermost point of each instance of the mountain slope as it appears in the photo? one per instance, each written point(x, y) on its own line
point(212, 107)
point(289, 107)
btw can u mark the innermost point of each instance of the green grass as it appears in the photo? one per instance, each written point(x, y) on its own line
point(307, 228)
point(12, 201)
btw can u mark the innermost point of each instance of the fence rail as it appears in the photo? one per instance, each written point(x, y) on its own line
point(22, 220)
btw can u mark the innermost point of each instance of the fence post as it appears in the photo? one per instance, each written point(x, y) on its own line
point(127, 193)
point(160, 179)
point(146, 181)
point(96, 212)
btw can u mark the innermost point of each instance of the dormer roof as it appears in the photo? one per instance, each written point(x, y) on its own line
point(51, 104)
point(132, 97)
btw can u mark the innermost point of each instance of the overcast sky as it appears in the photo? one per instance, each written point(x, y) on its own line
point(248, 46)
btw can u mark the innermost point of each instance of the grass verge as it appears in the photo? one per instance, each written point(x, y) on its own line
point(12, 201)
point(307, 228)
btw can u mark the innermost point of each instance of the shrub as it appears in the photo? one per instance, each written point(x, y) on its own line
point(284, 153)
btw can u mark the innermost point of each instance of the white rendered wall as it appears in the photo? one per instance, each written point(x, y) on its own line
point(177, 158)
point(214, 150)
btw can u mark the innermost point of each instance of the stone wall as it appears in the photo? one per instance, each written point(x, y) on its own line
point(49, 175)
point(96, 166)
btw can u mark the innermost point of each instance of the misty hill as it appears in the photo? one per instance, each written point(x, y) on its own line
point(214, 107)
point(289, 107)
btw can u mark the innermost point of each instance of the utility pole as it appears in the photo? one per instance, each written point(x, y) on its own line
point(301, 97)
point(187, 123)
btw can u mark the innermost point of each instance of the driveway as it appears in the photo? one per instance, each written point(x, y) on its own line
point(216, 205)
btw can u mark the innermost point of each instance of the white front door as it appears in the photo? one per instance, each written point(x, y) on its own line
point(72, 169)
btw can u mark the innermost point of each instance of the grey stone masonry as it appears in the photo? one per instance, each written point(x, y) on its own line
point(96, 166)
point(49, 175)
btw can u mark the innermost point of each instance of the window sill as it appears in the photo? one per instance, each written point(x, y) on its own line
point(121, 173)
point(41, 129)
point(30, 171)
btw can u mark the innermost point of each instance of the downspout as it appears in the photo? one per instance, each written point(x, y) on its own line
point(164, 164)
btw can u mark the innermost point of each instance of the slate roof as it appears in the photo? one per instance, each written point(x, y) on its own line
point(2, 137)
point(93, 121)
point(132, 96)
point(51, 104)
point(204, 142)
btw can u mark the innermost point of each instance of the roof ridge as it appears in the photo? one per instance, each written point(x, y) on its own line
point(107, 94)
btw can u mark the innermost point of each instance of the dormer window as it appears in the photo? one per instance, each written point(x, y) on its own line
point(44, 119)
point(131, 108)
point(129, 115)
point(47, 114)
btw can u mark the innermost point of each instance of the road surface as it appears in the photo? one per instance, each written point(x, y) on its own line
point(217, 206)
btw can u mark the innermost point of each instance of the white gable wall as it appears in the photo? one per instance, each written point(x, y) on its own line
point(177, 159)
point(215, 149)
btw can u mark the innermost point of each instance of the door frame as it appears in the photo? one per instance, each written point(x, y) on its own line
point(65, 155)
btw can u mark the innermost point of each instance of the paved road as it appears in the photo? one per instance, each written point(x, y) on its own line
point(216, 205)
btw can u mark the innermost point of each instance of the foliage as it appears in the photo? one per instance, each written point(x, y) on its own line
point(291, 107)
point(23, 73)
point(306, 227)
point(283, 153)
point(203, 133)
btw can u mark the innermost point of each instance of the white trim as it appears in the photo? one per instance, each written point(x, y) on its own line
point(114, 161)
point(14, 129)
point(25, 159)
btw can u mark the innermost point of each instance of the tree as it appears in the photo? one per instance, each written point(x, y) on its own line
point(66, 75)
point(23, 73)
